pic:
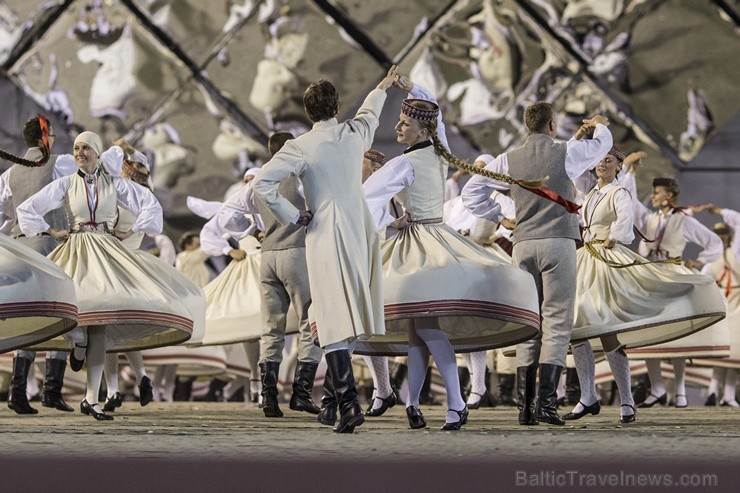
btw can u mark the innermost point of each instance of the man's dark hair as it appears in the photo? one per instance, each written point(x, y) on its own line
point(32, 132)
point(277, 141)
point(321, 101)
point(537, 116)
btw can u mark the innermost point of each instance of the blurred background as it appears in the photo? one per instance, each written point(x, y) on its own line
point(200, 84)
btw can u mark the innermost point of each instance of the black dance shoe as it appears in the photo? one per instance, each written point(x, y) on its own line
point(86, 408)
point(386, 403)
point(628, 418)
point(416, 419)
point(113, 402)
point(146, 392)
point(74, 363)
point(463, 415)
point(594, 409)
point(662, 400)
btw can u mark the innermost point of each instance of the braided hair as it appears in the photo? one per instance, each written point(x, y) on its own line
point(35, 132)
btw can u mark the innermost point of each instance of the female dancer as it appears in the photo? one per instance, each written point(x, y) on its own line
point(619, 292)
point(122, 306)
point(438, 285)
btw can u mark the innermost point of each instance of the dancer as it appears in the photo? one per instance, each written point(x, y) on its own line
point(544, 244)
point(667, 231)
point(131, 310)
point(431, 272)
point(620, 293)
point(29, 175)
point(346, 284)
point(283, 282)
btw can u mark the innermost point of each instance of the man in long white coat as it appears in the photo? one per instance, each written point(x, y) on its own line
point(342, 245)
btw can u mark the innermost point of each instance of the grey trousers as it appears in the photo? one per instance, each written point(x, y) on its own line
point(284, 279)
point(552, 262)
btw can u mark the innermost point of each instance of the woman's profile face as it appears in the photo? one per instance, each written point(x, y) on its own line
point(608, 168)
point(409, 131)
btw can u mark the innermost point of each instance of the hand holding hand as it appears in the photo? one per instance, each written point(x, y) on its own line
point(507, 223)
point(389, 78)
point(404, 83)
point(609, 243)
point(694, 264)
point(595, 120)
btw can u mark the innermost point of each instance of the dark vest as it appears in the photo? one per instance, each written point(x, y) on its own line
point(537, 217)
point(280, 236)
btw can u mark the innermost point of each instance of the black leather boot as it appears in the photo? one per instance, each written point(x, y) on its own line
point(328, 414)
point(526, 388)
point(305, 373)
point(269, 371)
point(547, 406)
point(506, 389)
point(53, 385)
point(350, 412)
point(18, 400)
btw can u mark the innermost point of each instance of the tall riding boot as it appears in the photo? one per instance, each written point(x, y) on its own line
point(572, 386)
point(53, 385)
point(506, 389)
point(269, 371)
point(548, 397)
point(350, 412)
point(301, 400)
point(526, 388)
point(18, 400)
point(328, 414)
point(399, 375)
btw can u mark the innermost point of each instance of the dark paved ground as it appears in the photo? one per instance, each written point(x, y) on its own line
point(226, 447)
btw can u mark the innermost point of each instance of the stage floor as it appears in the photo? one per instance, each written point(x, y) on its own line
point(226, 446)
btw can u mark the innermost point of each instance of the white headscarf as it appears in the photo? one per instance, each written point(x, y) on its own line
point(92, 139)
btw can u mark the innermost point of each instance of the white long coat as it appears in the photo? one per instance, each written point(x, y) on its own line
point(342, 245)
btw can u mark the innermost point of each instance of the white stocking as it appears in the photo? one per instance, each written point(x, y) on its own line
point(657, 389)
point(444, 357)
point(477, 368)
point(418, 362)
point(718, 375)
point(378, 366)
point(730, 387)
point(586, 368)
point(136, 360)
point(620, 366)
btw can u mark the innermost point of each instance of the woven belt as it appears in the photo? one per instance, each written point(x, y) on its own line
point(432, 220)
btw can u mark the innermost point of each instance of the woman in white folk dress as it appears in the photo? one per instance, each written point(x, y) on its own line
point(442, 292)
point(620, 293)
point(122, 306)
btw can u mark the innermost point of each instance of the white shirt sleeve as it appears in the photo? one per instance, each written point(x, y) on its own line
point(695, 232)
point(732, 219)
point(419, 92)
point(287, 162)
point(476, 194)
point(65, 165)
point(640, 213)
point(583, 155)
point(231, 217)
point(452, 189)
point(142, 203)
point(167, 252)
point(211, 238)
point(396, 175)
point(621, 229)
point(113, 160)
point(32, 211)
